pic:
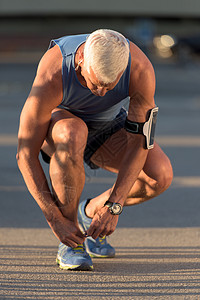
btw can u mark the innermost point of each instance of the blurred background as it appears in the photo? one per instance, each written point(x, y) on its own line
point(157, 242)
point(169, 33)
point(163, 29)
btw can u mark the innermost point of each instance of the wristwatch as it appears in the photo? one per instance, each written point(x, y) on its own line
point(115, 208)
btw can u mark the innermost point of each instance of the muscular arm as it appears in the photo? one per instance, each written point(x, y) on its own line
point(45, 95)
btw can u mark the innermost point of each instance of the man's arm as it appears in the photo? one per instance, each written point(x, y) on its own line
point(141, 91)
point(45, 95)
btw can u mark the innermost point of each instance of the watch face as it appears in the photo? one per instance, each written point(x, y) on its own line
point(116, 209)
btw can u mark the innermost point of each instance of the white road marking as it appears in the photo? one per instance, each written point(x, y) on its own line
point(178, 141)
point(168, 141)
point(178, 182)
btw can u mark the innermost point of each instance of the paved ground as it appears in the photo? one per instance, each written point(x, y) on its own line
point(157, 243)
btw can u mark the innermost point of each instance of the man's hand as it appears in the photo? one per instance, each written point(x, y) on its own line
point(66, 231)
point(103, 223)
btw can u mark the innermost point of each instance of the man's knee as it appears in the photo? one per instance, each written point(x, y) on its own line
point(165, 177)
point(70, 137)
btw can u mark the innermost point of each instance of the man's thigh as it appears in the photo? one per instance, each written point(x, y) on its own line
point(110, 155)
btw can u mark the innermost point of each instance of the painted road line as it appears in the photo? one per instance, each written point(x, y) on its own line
point(186, 181)
point(166, 141)
point(178, 182)
point(178, 141)
point(8, 140)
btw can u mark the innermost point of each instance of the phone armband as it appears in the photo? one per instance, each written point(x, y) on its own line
point(147, 128)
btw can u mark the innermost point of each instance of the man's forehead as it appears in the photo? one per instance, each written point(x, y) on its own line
point(94, 80)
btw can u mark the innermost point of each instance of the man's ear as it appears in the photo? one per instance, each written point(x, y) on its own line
point(81, 56)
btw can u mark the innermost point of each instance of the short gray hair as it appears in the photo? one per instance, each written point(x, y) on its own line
point(107, 53)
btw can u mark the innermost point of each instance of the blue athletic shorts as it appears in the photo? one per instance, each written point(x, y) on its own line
point(98, 133)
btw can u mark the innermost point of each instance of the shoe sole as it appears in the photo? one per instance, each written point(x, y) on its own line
point(100, 256)
point(82, 267)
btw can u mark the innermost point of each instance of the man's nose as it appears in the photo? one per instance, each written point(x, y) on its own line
point(101, 91)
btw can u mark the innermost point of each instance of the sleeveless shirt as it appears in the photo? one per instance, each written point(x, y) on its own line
point(78, 99)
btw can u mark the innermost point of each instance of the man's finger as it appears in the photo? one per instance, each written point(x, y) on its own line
point(99, 231)
point(92, 228)
point(81, 234)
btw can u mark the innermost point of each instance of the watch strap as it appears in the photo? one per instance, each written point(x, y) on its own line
point(108, 203)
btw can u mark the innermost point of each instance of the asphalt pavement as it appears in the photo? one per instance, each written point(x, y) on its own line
point(157, 243)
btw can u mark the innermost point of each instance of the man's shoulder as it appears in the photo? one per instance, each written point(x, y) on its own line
point(138, 58)
point(69, 44)
point(141, 66)
point(50, 66)
point(142, 75)
point(47, 86)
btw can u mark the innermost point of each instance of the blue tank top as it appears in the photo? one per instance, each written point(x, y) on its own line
point(78, 99)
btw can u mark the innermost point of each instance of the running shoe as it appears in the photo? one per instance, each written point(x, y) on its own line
point(98, 247)
point(76, 259)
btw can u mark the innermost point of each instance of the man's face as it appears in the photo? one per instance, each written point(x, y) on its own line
point(96, 87)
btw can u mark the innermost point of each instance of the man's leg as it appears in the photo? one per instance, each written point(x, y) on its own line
point(154, 179)
point(65, 144)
